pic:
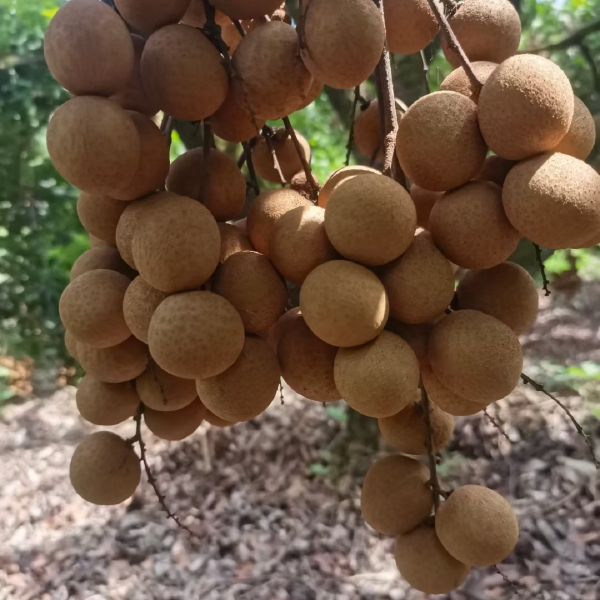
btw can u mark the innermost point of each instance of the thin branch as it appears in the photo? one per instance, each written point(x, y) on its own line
point(241, 160)
point(239, 27)
point(586, 438)
point(166, 128)
point(205, 168)
point(281, 393)
point(434, 482)
point(251, 171)
point(589, 57)
point(540, 262)
point(310, 180)
point(496, 424)
point(425, 72)
point(267, 133)
point(573, 39)
point(515, 585)
point(352, 117)
point(450, 7)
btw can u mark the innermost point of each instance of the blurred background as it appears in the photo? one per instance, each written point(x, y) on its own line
point(274, 502)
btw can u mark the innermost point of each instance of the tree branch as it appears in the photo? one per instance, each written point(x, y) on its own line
point(310, 180)
point(434, 482)
point(540, 261)
point(351, 129)
point(166, 128)
point(251, 171)
point(573, 39)
point(589, 57)
point(496, 424)
point(267, 133)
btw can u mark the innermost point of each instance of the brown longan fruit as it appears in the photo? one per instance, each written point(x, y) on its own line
point(477, 526)
point(314, 91)
point(367, 131)
point(233, 240)
point(246, 389)
point(216, 421)
point(100, 258)
point(407, 431)
point(344, 304)
point(525, 107)
point(410, 25)
point(116, 364)
point(305, 361)
point(106, 403)
point(419, 284)
point(224, 194)
point(88, 49)
point(495, 169)
point(139, 303)
point(343, 42)
point(553, 200)
point(100, 215)
point(195, 335)
point(439, 144)
point(94, 144)
point(104, 469)
point(233, 123)
point(470, 227)
point(175, 425)
point(286, 153)
point(271, 80)
point(176, 244)
point(424, 201)
point(579, 141)
point(458, 80)
point(71, 344)
point(425, 564)
point(338, 177)
point(487, 30)
point(195, 15)
point(507, 292)
point(182, 72)
point(147, 16)
point(395, 497)
point(373, 232)
point(98, 243)
point(252, 285)
point(415, 336)
point(476, 356)
point(448, 401)
point(299, 243)
point(91, 308)
point(266, 210)
point(242, 9)
point(273, 334)
point(164, 392)
point(378, 379)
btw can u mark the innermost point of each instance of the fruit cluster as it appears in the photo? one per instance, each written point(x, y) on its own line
point(184, 311)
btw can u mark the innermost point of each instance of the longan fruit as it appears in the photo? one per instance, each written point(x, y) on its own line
point(344, 304)
point(415, 336)
point(303, 186)
point(139, 303)
point(216, 421)
point(410, 25)
point(242, 9)
point(100, 215)
point(367, 131)
point(424, 201)
point(147, 16)
point(98, 243)
point(88, 49)
point(224, 194)
point(395, 497)
point(495, 169)
point(233, 123)
point(195, 335)
point(273, 334)
point(477, 526)
point(314, 91)
point(100, 258)
point(338, 177)
point(71, 344)
point(195, 15)
point(458, 80)
point(104, 469)
point(164, 392)
point(579, 141)
point(91, 308)
point(448, 401)
point(106, 403)
point(233, 240)
point(175, 425)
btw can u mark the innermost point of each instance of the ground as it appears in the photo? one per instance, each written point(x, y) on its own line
point(274, 504)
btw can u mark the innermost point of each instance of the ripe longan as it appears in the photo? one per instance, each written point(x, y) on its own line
point(216, 421)
point(71, 344)
point(439, 144)
point(100, 215)
point(495, 169)
point(115, 364)
point(410, 25)
point(242, 9)
point(415, 336)
point(477, 526)
point(98, 243)
point(139, 303)
point(106, 403)
point(344, 304)
point(458, 80)
point(579, 141)
point(100, 258)
point(164, 392)
point(147, 16)
point(104, 469)
point(424, 201)
point(233, 123)
point(367, 131)
point(225, 192)
point(233, 240)
point(273, 334)
point(195, 335)
point(195, 15)
point(175, 425)
point(395, 497)
point(314, 91)
point(338, 177)
point(448, 401)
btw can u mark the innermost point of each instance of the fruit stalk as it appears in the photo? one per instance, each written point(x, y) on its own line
point(540, 262)
point(351, 132)
point(313, 185)
point(434, 482)
point(206, 148)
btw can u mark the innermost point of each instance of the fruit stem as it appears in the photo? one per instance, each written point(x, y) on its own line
point(434, 482)
point(250, 164)
point(267, 133)
point(496, 424)
point(166, 128)
point(312, 184)
point(540, 262)
point(351, 132)
point(425, 72)
point(205, 168)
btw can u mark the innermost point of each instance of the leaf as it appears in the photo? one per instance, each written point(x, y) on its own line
point(337, 413)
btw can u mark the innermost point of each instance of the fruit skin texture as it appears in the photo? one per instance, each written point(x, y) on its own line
point(88, 49)
point(506, 292)
point(233, 123)
point(370, 219)
point(116, 364)
point(164, 392)
point(415, 336)
point(378, 379)
point(94, 144)
point(242, 9)
point(100, 215)
point(476, 356)
point(271, 80)
point(486, 29)
point(104, 470)
point(139, 303)
point(247, 388)
point(395, 497)
point(458, 80)
point(477, 526)
point(176, 244)
point(553, 200)
point(232, 241)
point(306, 362)
point(195, 335)
point(288, 159)
point(410, 25)
point(175, 425)
point(495, 169)
point(225, 191)
point(100, 258)
point(424, 201)
point(448, 401)
point(367, 131)
point(183, 74)
point(91, 308)
point(299, 243)
point(419, 284)
point(470, 227)
point(407, 432)
point(343, 41)
point(525, 107)
point(106, 403)
point(344, 304)
point(249, 281)
point(580, 139)
point(148, 16)
point(266, 210)
point(439, 573)
point(439, 144)
point(338, 177)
